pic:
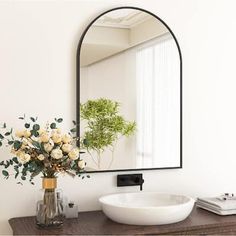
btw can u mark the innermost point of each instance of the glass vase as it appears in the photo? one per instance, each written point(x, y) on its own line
point(50, 206)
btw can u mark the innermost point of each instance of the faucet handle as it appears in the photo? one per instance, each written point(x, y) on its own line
point(130, 180)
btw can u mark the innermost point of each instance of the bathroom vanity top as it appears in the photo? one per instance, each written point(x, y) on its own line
point(96, 223)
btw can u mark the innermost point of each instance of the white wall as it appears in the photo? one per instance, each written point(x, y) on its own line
point(147, 30)
point(37, 73)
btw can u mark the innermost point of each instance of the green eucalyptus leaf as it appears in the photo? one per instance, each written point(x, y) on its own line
point(27, 125)
point(5, 173)
point(1, 136)
point(33, 119)
point(15, 160)
point(16, 175)
point(22, 117)
point(23, 177)
point(7, 164)
point(36, 127)
point(73, 130)
point(53, 126)
point(10, 142)
point(0, 143)
point(17, 144)
point(59, 120)
point(7, 134)
point(36, 144)
point(34, 133)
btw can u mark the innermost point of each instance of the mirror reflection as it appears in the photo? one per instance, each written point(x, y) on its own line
point(130, 93)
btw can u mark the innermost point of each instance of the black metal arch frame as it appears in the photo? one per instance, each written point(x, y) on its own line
point(78, 87)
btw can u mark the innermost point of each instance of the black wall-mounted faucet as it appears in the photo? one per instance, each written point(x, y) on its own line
point(130, 180)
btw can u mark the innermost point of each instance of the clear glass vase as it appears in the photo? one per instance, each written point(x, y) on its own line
point(50, 210)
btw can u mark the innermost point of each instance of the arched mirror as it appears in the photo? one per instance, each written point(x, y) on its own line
point(129, 92)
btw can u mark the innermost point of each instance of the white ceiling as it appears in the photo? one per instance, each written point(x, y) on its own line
point(123, 18)
point(117, 31)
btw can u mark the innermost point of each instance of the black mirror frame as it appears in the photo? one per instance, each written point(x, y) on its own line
point(78, 89)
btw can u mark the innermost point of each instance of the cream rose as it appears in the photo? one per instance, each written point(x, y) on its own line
point(56, 138)
point(18, 153)
point(41, 157)
point(74, 154)
point(81, 164)
point(44, 137)
point(67, 147)
point(48, 146)
point(23, 157)
point(41, 131)
point(57, 153)
point(66, 138)
point(19, 133)
point(26, 133)
point(56, 131)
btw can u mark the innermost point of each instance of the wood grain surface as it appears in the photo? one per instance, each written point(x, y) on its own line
point(96, 223)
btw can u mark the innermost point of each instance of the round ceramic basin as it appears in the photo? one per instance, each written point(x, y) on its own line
point(148, 208)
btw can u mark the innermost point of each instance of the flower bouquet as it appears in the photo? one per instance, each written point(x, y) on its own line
point(42, 150)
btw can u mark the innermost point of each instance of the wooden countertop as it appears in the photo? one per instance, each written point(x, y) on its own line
point(96, 223)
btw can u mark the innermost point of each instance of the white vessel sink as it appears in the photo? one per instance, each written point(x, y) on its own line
point(148, 208)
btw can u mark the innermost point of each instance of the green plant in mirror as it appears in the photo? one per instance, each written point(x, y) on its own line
point(104, 127)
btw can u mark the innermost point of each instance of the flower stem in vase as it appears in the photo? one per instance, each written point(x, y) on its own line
point(49, 201)
point(49, 211)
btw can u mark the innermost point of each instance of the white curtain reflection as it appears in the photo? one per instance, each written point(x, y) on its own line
point(158, 103)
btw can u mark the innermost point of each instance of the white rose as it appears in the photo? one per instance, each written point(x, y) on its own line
point(81, 164)
point(26, 133)
point(23, 146)
point(27, 142)
point(66, 138)
point(23, 157)
point(48, 146)
point(44, 137)
point(56, 131)
point(56, 138)
point(57, 153)
point(36, 139)
point(74, 154)
point(19, 134)
point(41, 157)
point(66, 147)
